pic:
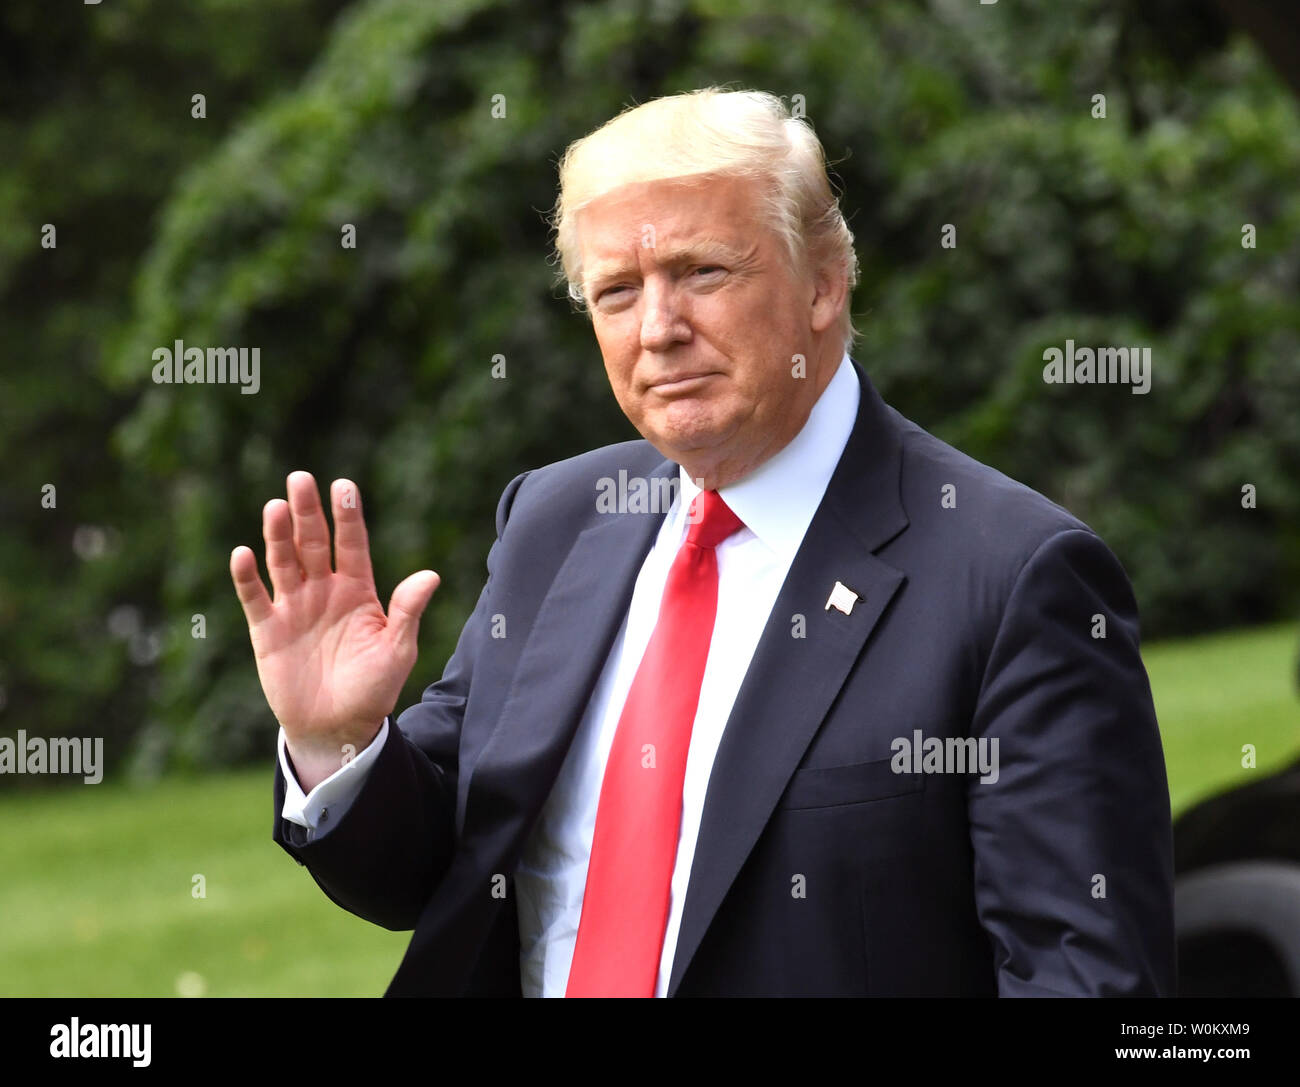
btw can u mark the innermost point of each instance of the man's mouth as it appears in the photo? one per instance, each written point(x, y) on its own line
point(682, 383)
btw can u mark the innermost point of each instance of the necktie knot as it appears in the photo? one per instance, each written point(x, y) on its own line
point(711, 520)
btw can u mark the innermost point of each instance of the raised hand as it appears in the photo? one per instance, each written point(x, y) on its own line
point(332, 664)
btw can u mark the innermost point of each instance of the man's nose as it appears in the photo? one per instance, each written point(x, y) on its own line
point(662, 321)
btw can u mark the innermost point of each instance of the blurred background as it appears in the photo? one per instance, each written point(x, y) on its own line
point(1118, 172)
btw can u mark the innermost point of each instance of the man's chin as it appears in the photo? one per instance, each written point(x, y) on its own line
point(690, 446)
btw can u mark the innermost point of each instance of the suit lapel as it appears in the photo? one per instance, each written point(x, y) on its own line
point(792, 682)
point(562, 659)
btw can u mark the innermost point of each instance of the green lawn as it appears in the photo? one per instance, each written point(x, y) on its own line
point(96, 900)
point(1215, 694)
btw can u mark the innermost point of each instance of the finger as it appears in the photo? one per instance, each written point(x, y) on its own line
point(311, 535)
point(248, 586)
point(351, 544)
point(281, 558)
point(407, 604)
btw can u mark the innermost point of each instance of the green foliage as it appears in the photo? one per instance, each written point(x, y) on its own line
point(95, 122)
point(376, 362)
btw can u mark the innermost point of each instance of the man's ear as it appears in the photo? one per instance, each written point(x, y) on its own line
point(830, 295)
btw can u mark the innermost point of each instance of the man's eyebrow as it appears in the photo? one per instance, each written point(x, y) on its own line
point(702, 250)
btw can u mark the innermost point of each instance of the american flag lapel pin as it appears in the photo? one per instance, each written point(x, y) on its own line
point(842, 598)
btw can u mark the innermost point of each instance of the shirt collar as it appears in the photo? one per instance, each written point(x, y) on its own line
point(777, 500)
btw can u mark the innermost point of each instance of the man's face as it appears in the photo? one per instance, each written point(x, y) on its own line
point(699, 319)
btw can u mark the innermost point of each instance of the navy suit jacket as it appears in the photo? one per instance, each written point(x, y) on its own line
point(819, 870)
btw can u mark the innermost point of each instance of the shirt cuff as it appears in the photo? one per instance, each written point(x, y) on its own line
point(331, 799)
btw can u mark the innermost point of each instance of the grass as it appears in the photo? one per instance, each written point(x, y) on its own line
point(96, 897)
point(104, 905)
point(1215, 694)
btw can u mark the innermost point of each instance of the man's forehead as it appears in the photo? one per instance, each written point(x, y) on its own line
point(610, 252)
point(677, 218)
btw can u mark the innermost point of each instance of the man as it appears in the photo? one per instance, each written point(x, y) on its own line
point(845, 713)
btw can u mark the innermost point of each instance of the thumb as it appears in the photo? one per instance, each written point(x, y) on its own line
point(407, 604)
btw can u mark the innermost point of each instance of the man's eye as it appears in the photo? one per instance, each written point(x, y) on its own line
point(708, 269)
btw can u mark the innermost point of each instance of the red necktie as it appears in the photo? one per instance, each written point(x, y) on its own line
point(634, 846)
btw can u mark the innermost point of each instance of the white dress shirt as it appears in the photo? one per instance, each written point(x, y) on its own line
point(776, 502)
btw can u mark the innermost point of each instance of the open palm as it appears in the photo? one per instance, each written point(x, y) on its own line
point(332, 664)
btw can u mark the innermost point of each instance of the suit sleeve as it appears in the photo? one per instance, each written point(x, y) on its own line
point(1072, 843)
point(383, 859)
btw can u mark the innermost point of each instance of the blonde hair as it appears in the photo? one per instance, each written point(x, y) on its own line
point(718, 132)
